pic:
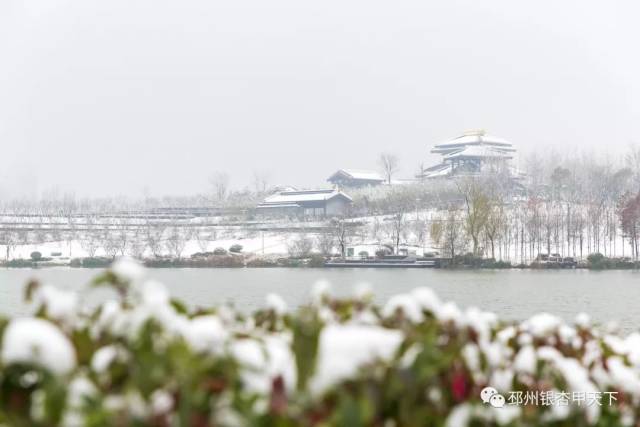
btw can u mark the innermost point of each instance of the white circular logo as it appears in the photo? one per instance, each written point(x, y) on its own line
point(497, 401)
point(486, 394)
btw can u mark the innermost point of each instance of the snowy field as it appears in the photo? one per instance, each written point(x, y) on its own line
point(61, 239)
point(271, 244)
point(85, 236)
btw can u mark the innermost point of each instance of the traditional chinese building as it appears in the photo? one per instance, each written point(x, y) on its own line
point(473, 152)
point(308, 203)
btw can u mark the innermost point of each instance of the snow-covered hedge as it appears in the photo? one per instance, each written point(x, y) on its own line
point(144, 359)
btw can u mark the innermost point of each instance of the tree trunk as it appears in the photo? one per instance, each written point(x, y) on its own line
point(493, 254)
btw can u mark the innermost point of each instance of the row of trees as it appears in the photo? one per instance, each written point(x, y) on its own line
point(571, 206)
point(113, 237)
point(573, 209)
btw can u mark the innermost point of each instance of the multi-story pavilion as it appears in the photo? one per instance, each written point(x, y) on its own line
point(471, 153)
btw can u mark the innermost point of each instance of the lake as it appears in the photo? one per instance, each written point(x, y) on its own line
point(512, 294)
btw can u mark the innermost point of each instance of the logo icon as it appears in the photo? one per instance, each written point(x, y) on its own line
point(491, 396)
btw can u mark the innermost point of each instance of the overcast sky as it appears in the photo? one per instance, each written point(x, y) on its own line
point(112, 97)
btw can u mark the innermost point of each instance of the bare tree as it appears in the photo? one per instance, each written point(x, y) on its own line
point(90, 242)
point(629, 214)
point(343, 232)
point(220, 185)
point(260, 181)
point(153, 236)
point(110, 243)
point(137, 244)
point(402, 202)
point(396, 229)
point(9, 239)
point(494, 226)
point(204, 238)
point(376, 229)
point(447, 233)
point(325, 242)
point(477, 207)
point(68, 210)
point(121, 236)
point(419, 230)
point(389, 165)
point(300, 246)
point(632, 160)
point(176, 241)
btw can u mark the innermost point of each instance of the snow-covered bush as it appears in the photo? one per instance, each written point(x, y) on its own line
point(145, 359)
point(235, 248)
point(300, 246)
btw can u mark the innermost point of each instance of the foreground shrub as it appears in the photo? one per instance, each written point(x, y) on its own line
point(145, 359)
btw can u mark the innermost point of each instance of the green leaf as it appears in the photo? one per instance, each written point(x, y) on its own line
point(306, 333)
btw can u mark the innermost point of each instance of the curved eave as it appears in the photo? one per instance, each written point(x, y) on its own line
point(479, 157)
point(460, 147)
point(474, 139)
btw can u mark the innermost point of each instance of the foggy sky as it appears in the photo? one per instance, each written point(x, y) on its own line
point(112, 97)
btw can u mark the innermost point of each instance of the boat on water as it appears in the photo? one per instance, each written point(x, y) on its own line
point(393, 261)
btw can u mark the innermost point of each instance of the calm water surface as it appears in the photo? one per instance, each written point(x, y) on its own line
point(513, 294)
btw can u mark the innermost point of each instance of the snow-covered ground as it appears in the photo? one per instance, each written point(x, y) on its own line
point(108, 236)
point(272, 244)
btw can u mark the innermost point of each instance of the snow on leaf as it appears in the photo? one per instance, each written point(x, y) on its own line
point(205, 334)
point(404, 304)
point(60, 305)
point(128, 269)
point(40, 342)
point(275, 303)
point(345, 348)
